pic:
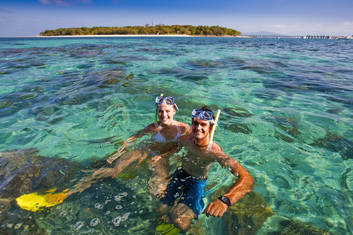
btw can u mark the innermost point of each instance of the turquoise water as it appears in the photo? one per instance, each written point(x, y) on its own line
point(287, 113)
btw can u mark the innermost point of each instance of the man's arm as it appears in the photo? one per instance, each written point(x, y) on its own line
point(238, 190)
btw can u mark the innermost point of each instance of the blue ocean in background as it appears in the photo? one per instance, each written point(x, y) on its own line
point(287, 117)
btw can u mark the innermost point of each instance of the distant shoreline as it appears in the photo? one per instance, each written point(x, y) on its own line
point(140, 35)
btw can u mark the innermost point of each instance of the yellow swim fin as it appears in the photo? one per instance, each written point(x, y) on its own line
point(34, 201)
point(167, 229)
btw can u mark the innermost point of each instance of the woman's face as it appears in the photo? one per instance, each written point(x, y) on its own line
point(166, 113)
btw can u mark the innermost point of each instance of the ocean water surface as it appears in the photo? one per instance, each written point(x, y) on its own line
point(287, 117)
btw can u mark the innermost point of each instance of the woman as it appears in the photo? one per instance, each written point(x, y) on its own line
point(164, 136)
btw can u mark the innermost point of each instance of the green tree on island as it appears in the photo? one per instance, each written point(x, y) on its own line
point(147, 29)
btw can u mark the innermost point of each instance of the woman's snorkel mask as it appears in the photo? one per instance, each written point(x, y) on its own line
point(168, 100)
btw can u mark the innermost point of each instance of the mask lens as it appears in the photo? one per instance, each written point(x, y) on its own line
point(169, 100)
point(204, 115)
point(208, 115)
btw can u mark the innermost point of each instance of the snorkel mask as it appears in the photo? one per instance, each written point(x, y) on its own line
point(168, 100)
point(202, 114)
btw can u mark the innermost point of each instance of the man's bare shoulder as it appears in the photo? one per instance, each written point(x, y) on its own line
point(184, 138)
point(216, 147)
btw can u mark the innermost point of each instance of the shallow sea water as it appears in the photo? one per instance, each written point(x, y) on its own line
point(287, 117)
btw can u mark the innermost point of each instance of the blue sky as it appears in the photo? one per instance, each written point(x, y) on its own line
point(289, 17)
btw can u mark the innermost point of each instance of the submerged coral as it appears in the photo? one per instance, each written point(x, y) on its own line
point(336, 143)
point(247, 215)
point(25, 171)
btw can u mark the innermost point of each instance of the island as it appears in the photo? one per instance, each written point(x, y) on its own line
point(188, 30)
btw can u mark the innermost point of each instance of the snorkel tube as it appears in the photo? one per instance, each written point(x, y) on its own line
point(213, 129)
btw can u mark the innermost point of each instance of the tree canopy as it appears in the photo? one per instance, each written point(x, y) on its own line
point(147, 29)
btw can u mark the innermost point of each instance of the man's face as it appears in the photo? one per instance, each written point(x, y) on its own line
point(200, 128)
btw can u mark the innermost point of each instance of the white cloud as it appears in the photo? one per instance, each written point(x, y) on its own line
point(348, 24)
point(64, 2)
point(4, 11)
point(46, 2)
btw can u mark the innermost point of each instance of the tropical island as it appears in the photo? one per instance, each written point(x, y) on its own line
point(145, 30)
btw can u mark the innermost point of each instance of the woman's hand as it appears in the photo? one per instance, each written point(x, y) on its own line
point(116, 155)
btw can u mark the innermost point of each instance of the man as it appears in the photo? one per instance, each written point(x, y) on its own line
point(189, 181)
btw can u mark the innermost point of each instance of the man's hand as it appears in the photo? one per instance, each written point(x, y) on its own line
point(216, 208)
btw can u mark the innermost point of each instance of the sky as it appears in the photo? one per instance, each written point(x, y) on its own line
point(286, 17)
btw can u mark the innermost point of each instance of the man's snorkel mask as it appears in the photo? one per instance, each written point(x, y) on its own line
point(168, 100)
point(206, 115)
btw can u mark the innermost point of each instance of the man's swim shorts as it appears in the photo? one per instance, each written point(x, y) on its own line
point(190, 190)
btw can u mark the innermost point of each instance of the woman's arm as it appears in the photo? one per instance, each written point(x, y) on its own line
point(140, 133)
point(176, 148)
point(156, 158)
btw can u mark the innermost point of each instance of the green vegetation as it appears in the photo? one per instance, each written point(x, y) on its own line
point(147, 29)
